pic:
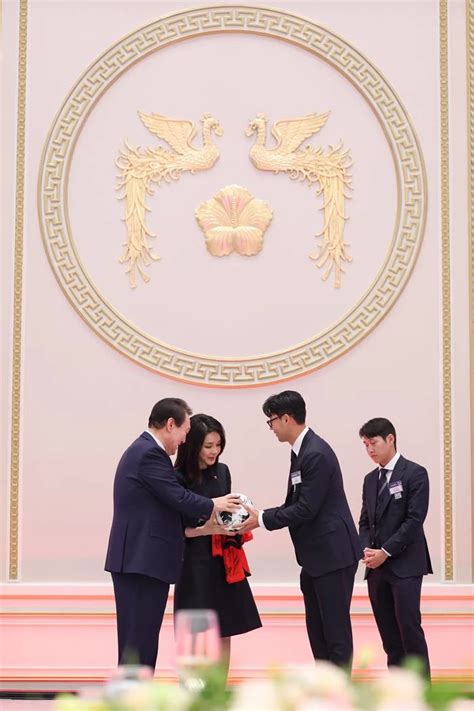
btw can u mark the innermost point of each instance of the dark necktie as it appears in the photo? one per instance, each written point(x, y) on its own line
point(293, 460)
point(382, 482)
point(292, 467)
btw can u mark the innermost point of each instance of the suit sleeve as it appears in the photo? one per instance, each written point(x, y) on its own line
point(316, 474)
point(364, 525)
point(417, 508)
point(157, 475)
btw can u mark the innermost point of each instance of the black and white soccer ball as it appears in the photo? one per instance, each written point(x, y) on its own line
point(230, 519)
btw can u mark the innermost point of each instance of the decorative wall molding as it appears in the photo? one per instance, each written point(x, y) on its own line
point(242, 371)
point(470, 210)
point(17, 294)
point(446, 293)
point(47, 632)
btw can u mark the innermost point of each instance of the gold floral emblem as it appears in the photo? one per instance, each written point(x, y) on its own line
point(234, 220)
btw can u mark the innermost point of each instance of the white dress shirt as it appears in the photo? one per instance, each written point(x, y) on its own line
point(296, 446)
point(390, 466)
point(158, 442)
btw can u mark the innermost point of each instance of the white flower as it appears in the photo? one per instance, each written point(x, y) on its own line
point(410, 706)
point(261, 695)
point(461, 705)
point(326, 705)
point(326, 681)
point(321, 687)
point(399, 689)
point(156, 696)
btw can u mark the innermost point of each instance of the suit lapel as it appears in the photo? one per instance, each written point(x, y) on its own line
point(372, 485)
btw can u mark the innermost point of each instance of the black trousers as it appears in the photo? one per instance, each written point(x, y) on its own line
point(396, 605)
point(140, 602)
point(327, 601)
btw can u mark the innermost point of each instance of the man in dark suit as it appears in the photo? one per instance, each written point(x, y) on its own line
point(394, 506)
point(321, 528)
point(146, 540)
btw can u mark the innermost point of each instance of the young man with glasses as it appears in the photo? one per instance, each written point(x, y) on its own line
point(321, 527)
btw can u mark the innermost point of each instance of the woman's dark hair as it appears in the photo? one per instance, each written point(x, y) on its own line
point(187, 460)
point(378, 427)
point(169, 407)
point(289, 402)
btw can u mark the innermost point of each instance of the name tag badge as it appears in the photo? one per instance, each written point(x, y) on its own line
point(296, 478)
point(396, 488)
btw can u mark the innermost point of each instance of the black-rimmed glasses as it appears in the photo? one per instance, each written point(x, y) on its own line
point(272, 420)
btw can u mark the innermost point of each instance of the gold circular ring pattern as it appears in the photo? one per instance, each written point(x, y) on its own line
point(245, 371)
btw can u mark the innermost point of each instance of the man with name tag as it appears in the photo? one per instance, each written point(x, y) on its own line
point(320, 525)
point(394, 506)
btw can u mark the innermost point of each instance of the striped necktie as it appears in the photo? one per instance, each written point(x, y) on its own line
point(382, 482)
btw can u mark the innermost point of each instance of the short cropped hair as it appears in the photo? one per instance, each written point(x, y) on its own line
point(169, 407)
point(289, 402)
point(378, 427)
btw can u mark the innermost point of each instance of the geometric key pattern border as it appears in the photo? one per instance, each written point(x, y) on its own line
point(211, 370)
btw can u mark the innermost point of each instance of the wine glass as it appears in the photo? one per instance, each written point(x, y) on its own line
point(198, 646)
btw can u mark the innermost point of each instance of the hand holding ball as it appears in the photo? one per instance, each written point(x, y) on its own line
point(230, 519)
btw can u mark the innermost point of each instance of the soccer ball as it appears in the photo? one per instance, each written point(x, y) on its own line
point(230, 519)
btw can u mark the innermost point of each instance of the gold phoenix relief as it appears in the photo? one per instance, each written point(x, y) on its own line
point(141, 169)
point(329, 170)
point(234, 220)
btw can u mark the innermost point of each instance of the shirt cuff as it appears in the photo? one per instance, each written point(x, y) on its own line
point(387, 553)
point(260, 520)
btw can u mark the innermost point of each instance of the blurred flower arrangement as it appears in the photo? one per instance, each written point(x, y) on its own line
point(322, 687)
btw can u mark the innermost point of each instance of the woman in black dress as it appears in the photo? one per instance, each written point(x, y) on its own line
point(203, 584)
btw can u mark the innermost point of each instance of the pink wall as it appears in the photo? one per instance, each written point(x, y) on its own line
point(47, 633)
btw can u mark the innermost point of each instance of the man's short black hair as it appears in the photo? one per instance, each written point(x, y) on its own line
point(378, 427)
point(289, 402)
point(169, 407)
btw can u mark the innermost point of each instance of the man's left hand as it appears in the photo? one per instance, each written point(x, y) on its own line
point(251, 522)
point(373, 557)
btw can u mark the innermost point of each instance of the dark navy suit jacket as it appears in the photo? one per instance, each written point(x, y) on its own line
point(147, 533)
point(316, 512)
point(398, 526)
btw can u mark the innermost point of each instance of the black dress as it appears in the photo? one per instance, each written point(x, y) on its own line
point(202, 584)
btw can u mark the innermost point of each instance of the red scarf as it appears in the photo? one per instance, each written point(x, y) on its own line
point(232, 552)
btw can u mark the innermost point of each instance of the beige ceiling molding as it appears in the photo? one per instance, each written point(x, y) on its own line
point(213, 370)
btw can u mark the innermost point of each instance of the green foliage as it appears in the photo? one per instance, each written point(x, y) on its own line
point(215, 696)
point(439, 696)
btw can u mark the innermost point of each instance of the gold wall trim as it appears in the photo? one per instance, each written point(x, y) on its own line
point(17, 294)
point(446, 294)
point(168, 615)
point(470, 212)
point(218, 371)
